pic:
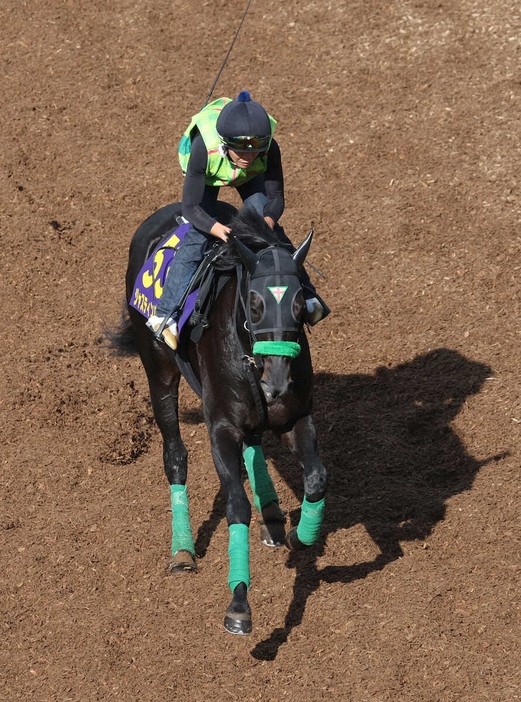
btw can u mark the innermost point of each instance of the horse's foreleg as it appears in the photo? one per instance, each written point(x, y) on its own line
point(265, 498)
point(175, 459)
point(237, 619)
point(302, 441)
point(226, 455)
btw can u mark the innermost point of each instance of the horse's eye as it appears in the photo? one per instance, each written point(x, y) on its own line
point(298, 305)
point(257, 307)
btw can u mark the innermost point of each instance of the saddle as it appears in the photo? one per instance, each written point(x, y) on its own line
point(203, 289)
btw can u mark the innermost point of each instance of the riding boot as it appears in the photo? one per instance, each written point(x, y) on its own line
point(316, 308)
point(165, 329)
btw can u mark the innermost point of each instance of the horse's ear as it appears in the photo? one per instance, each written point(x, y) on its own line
point(300, 254)
point(249, 259)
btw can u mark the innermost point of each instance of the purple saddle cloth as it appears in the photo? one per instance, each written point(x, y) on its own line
point(150, 282)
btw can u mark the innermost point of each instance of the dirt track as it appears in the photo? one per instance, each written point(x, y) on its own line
point(400, 130)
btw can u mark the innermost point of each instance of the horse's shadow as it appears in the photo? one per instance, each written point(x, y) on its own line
point(393, 462)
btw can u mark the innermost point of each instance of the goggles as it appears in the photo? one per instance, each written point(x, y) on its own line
point(247, 143)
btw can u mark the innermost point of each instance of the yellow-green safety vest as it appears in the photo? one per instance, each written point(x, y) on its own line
point(220, 171)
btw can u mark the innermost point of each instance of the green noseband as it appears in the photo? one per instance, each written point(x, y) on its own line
point(276, 348)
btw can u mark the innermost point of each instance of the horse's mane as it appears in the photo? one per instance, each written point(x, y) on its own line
point(252, 230)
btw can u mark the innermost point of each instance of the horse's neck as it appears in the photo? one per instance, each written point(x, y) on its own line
point(231, 306)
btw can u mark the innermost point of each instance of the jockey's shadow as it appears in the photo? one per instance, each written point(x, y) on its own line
point(393, 462)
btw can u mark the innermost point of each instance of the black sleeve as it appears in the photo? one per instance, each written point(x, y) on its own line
point(194, 187)
point(274, 183)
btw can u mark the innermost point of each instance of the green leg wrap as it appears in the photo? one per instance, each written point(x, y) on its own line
point(239, 553)
point(182, 539)
point(260, 481)
point(311, 517)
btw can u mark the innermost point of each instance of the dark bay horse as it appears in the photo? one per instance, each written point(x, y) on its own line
point(254, 369)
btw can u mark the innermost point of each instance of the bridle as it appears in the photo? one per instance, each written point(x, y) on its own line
point(259, 282)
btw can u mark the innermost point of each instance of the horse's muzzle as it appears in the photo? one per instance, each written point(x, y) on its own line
point(276, 378)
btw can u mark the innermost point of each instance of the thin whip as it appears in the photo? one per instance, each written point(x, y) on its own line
point(228, 54)
point(315, 269)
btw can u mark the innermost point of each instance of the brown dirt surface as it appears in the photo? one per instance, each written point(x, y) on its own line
point(400, 130)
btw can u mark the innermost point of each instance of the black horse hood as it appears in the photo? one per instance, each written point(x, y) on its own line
point(275, 280)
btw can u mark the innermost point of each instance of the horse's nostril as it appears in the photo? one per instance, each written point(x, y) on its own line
point(273, 391)
point(268, 393)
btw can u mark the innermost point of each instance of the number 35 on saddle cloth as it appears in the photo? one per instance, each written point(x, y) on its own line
point(150, 283)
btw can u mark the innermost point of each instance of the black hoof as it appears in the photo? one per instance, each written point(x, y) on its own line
point(183, 562)
point(272, 529)
point(238, 623)
point(293, 542)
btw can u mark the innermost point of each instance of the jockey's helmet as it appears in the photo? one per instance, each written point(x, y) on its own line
point(244, 125)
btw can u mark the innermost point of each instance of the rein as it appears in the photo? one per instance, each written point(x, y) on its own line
point(250, 364)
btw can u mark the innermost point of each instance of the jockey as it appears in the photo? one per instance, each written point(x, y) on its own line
point(228, 143)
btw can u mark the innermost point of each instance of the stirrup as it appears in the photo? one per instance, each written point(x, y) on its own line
point(164, 330)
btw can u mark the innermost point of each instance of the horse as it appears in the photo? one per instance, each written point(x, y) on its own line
point(254, 373)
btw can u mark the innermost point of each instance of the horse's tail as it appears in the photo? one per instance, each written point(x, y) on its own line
point(121, 340)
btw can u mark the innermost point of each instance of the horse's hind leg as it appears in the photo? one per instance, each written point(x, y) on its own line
point(163, 381)
point(303, 443)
